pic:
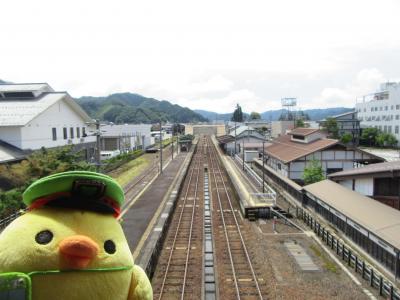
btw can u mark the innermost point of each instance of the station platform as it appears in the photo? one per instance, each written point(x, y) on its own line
point(250, 196)
point(137, 219)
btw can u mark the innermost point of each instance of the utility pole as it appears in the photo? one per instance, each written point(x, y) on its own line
point(97, 153)
point(235, 138)
point(161, 150)
point(172, 147)
point(263, 170)
point(243, 154)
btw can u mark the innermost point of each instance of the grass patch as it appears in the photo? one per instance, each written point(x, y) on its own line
point(328, 264)
point(130, 170)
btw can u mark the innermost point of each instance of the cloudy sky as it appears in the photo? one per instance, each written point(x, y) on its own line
point(205, 54)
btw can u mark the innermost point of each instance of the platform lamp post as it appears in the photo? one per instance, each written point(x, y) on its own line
point(263, 170)
point(161, 150)
point(243, 154)
point(235, 139)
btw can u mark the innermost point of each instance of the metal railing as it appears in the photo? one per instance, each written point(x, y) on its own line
point(270, 193)
point(367, 272)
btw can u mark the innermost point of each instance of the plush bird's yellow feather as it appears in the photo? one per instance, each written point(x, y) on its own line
point(20, 252)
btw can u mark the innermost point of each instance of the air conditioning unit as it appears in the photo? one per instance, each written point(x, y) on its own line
point(69, 142)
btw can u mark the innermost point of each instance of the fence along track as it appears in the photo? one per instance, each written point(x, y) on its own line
point(237, 250)
point(175, 257)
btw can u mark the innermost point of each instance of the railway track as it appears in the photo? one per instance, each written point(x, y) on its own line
point(178, 275)
point(238, 277)
point(180, 269)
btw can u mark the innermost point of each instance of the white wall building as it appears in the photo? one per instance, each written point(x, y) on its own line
point(33, 116)
point(381, 109)
point(125, 137)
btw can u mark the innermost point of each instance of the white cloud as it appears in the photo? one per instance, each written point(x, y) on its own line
point(186, 51)
point(365, 82)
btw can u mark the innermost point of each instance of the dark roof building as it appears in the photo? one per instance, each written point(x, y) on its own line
point(290, 154)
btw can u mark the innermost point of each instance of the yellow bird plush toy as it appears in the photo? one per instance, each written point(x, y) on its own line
point(69, 244)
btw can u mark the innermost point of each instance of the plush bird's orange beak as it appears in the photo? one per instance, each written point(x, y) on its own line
point(78, 251)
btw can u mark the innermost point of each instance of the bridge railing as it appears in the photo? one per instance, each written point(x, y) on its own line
point(359, 265)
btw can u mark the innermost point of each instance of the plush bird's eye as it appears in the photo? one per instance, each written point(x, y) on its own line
point(44, 237)
point(109, 246)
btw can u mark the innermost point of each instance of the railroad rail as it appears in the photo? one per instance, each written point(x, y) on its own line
point(179, 275)
point(241, 281)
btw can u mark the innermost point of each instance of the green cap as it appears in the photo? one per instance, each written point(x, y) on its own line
point(76, 189)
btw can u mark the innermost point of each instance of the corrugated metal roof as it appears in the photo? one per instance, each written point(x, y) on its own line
point(369, 169)
point(24, 87)
point(125, 129)
point(240, 130)
point(286, 150)
point(380, 219)
point(20, 112)
point(303, 131)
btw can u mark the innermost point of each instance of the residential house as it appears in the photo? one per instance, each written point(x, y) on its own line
point(291, 153)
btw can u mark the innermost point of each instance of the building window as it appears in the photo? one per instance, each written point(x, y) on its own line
point(78, 132)
point(390, 129)
point(372, 109)
point(65, 133)
point(380, 108)
point(279, 166)
point(71, 132)
point(397, 117)
point(385, 129)
point(54, 132)
point(397, 106)
point(396, 129)
point(84, 132)
point(386, 108)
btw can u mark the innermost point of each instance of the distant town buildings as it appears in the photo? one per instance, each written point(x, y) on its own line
point(218, 129)
point(347, 123)
point(381, 109)
point(33, 116)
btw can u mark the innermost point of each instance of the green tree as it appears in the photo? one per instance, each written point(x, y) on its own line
point(300, 123)
point(237, 114)
point(255, 116)
point(385, 139)
point(313, 172)
point(368, 136)
point(330, 125)
point(346, 138)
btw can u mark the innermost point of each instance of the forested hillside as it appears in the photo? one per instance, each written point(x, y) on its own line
point(134, 108)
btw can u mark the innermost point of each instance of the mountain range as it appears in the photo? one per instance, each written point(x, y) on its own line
point(133, 108)
point(273, 115)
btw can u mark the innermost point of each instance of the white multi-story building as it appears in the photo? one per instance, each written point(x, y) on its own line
point(33, 116)
point(381, 109)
